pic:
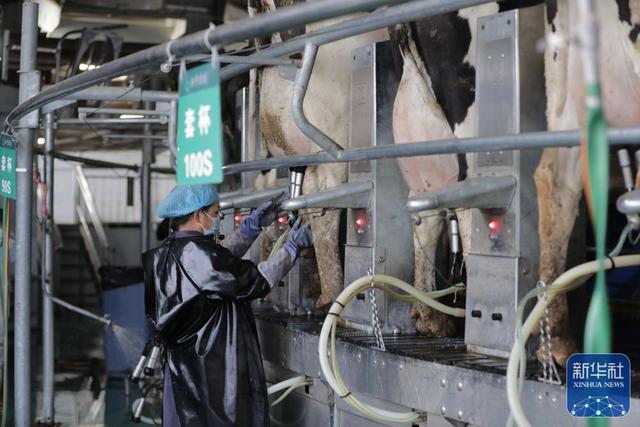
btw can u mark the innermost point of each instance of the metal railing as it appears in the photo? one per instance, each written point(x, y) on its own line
point(91, 228)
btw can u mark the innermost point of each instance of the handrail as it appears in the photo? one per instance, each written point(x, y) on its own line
point(90, 245)
point(90, 205)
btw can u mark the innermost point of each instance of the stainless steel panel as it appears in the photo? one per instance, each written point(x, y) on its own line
point(491, 308)
point(510, 93)
point(362, 105)
point(386, 244)
point(496, 74)
point(347, 419)
point(300, 410)
point(502, 243)
point(361, 236)
point(436, 386)
point(280, 296)
point(358, 262)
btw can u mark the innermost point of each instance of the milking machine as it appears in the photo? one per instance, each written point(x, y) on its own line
point(378, 234)
point(459, 379)
point(502, 261)
point(147, 376)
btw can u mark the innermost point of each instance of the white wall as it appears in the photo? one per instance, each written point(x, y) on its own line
point(109, 187)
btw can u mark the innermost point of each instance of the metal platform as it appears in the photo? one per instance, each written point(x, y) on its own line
point(437, 376)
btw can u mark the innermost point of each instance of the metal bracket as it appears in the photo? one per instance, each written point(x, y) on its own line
point(253, 200)
point(355, 195)
point(491, 192)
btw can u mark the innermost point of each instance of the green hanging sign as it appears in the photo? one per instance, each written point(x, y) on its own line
point(8, 166)
point(200, 127)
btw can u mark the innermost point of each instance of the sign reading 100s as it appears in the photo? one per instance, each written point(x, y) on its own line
point(200, 127)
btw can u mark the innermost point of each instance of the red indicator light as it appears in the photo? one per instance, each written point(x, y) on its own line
point(238, 217)
point(361, 224)
point(282, 222)
point(494, 228)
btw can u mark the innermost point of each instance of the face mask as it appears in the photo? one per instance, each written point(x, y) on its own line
point(215, 229)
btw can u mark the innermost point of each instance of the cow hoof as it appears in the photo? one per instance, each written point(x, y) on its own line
point(561, 348)
point(432, 323)
point(324, 301)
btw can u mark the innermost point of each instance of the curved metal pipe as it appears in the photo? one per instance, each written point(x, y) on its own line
point(318, 137)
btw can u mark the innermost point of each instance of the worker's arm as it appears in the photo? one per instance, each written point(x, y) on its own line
point(276, 267)
point(238, 243)
point(250, 228)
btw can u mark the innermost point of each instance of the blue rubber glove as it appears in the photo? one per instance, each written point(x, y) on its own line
point(276, 268)
point(262, 216)
point(300, 237)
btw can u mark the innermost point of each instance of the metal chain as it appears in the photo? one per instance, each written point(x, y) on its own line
point(375, 320)
point(549, 372)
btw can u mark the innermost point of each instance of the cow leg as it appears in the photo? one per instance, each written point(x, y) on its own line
point(559, 189)
point(266, 239)
point(426, 236)
point(325, 232)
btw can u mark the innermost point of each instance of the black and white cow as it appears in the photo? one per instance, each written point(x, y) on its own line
point(559, 175)
point(435, 100)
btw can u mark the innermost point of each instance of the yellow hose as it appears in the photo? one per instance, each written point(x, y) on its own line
point(567, 281)
point(331, 370)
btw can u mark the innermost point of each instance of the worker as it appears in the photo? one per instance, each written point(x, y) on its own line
point(198, 295)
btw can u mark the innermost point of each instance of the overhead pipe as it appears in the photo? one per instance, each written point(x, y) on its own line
point(409, 11)
point(134, 136)
point(105, 164)
point(300, 86)
point(109, 122)
point(491, 192)
point(89, 111)
point(351, 195)
point(523, 141)
point(29, 86)
point(109, 93)
point(258, 26)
